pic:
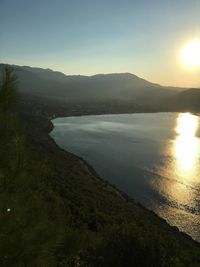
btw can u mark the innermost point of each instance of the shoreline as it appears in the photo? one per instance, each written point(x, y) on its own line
point(37, 121)
point(122, 193)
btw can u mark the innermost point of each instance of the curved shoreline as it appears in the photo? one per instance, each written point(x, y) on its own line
point(106, 182)
point(37, 122)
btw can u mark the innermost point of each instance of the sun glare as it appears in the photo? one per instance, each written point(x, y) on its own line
point(187, 144)
point(190, 54)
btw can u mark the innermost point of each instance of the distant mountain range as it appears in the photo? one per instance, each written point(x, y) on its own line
point(188, 100)
point(125, 87)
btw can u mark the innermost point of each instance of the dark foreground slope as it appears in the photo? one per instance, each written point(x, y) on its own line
point(101, 226)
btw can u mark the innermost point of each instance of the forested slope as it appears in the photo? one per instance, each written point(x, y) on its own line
point(56, 211)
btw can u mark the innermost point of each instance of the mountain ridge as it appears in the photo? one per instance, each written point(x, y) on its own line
point(99, 87)
point(31, 68)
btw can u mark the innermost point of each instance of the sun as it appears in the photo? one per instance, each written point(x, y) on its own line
point(190, 54)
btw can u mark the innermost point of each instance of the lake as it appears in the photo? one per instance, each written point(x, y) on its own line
point(154, 158)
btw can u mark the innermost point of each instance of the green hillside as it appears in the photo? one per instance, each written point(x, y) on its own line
point(56, 211)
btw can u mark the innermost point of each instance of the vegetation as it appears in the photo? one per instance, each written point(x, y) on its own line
point(55, 211)
point(31, 213)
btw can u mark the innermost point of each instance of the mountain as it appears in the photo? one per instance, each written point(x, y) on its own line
point(188, 100)
point(125, 87)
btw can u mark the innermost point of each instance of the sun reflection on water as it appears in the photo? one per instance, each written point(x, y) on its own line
point(186, 145)
point(180, 189)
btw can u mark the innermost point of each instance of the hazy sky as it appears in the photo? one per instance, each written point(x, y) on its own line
point(102, 36)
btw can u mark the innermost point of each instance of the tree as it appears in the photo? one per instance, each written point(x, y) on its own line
point(8, 89)
point(31, 219)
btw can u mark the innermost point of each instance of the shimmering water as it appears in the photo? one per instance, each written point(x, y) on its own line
point(154, 158)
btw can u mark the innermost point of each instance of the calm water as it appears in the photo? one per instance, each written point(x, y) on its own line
point(154, 158)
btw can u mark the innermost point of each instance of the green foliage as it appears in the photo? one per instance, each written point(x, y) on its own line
point(31, 212)
point(126, 245)
point(7, 90)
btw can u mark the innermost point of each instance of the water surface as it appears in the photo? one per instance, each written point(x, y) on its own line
point(154, 158)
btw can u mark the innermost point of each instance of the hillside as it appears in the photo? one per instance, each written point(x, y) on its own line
point(188, 100)
point(123, 232)
point(56, 211)
point(124, 87)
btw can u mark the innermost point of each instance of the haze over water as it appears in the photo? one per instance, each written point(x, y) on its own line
point(154, 158)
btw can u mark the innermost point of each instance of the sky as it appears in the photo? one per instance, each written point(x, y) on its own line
point(143, 37)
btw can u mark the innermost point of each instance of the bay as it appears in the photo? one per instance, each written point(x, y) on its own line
point(154, 158)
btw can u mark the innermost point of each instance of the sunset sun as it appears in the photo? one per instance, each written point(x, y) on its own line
point(190, 54)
